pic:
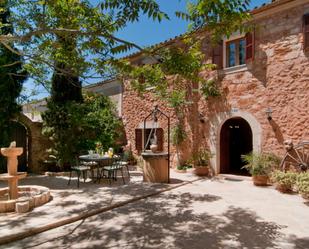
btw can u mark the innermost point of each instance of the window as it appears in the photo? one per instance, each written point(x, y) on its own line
point(306, 31)
point(236, 52)
point(141, 137)
point(239, 51)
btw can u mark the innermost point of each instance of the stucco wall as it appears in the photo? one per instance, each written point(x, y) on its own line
point(277, 78)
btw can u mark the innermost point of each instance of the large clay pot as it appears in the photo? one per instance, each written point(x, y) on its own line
point(260, 180)
point(305, 196)
point(283, 188)
point(201, 170)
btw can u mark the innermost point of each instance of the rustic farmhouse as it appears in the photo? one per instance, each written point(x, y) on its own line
point(264, 84)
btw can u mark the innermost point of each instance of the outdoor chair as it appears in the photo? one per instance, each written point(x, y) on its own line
point(93, 166)
point(80, 170)
point(124, 162)
point(113, 169)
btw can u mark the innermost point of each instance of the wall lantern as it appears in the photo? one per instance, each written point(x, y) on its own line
point(269, 113)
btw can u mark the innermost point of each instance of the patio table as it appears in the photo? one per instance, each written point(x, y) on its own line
point(101, 162)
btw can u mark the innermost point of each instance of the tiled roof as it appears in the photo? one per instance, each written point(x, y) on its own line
point(255, 10)
point(100, 83)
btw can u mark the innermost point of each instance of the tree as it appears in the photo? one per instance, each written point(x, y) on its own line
point(12, 77)
point(43, 26)
point(40, 23)
point(73, 38)
point(74, 127)
point(175, 77)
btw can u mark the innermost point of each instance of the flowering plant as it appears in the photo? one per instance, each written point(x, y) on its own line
point(98, 146)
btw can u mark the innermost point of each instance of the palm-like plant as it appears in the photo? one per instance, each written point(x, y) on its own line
point(260, 163)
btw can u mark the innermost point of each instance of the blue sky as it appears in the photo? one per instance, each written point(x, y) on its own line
point(146, 32)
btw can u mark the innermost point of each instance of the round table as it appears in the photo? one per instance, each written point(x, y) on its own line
point(94, 158)
point(100, 160)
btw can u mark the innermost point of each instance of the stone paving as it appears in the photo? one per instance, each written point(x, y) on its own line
point(208, 213)
point(69, 202)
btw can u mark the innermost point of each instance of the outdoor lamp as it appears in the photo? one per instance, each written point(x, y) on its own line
point(269, 113)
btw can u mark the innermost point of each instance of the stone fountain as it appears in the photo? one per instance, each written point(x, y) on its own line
point(14, 198)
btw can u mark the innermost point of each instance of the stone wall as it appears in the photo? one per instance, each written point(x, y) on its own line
point(278, 78)
point(38, 144)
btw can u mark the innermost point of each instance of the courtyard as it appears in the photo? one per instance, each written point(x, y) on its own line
point(220, 212)
point(154, 124)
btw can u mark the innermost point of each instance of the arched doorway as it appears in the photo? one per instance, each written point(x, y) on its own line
point(235, 140)
point(20, 135)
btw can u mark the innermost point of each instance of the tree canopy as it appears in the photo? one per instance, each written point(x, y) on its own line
point(93, 28)
point(12, 77)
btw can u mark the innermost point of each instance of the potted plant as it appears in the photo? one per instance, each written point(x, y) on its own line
point(181, 169)
point(302, 183)
point(284, 181)
point(200, 160)
point(259, 166)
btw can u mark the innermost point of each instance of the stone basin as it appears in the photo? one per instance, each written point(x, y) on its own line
point(29, 197)
point(19, 175)
point(10, 152)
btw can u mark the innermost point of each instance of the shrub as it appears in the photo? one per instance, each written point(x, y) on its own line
point(285, 179)
point(73, 127)
point(201, 158)
point(260, 163)
point(181, 167)
point(302, 183)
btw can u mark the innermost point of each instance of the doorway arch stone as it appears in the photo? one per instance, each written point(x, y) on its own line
point(216, 124)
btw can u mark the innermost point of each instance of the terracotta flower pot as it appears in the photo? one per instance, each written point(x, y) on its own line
point(260, 180)
point(283, 188)
point(201, 170)
point(305, 195)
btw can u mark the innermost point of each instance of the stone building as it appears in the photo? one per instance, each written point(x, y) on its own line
point(27, 132)
point(264, 82)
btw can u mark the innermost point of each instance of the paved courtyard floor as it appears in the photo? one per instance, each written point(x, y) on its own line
point(207, 213)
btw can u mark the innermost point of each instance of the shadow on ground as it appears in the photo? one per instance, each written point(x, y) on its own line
point(169, 221)
point(68, 200)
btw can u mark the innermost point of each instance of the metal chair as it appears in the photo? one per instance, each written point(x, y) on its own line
point(124, 162)
point(80, 170)
point(93, 166)
point(113, 169)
